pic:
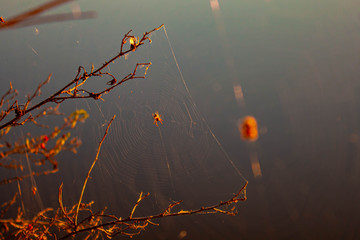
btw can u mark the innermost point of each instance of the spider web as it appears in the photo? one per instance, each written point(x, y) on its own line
point(180, 158)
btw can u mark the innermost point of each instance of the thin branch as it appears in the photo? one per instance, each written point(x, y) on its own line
point(37, 92)
point(141, 197)
point(7, 205)
point(80, 79)
point(10, 180)
point(62, 206)
point(167, 213)
point(89, 172)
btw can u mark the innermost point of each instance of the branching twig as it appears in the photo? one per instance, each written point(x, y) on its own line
point(71, 90)
point(141, 197)
point(133, 222)
point(7, 97)
point(62, 206)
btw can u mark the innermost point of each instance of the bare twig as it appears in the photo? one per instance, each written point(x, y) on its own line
point(141, 197)
point(141, 222)
point(62, 206)
point(71, 90)
point(5, 206)
point(89, 172)
point(10, 180)
point(7, 97)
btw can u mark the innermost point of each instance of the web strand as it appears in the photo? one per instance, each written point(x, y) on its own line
point(202, 118)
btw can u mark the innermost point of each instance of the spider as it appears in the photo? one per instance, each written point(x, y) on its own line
point(157, 118)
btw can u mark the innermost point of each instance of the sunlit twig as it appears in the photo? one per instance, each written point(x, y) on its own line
point(91, 168)
point(71, 91)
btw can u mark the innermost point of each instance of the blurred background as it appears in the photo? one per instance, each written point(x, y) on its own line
point(293, 65)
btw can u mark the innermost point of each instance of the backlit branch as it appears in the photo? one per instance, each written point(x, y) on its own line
point(72, 91)
point(134, 225)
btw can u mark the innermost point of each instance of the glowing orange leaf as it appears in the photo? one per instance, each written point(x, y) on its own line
point(248, 128)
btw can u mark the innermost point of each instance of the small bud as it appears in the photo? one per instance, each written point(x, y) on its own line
point(111, 82)
point(34, 190)
point(133, 44)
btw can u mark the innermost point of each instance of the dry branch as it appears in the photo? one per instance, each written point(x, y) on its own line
point(120, 226)
point(91, 168)
point(72, 91)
